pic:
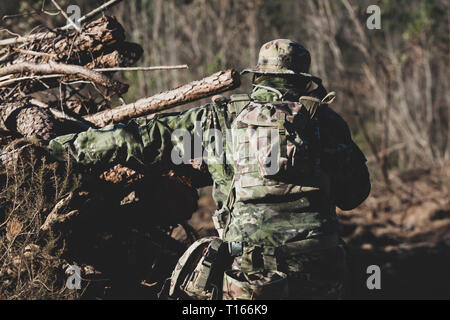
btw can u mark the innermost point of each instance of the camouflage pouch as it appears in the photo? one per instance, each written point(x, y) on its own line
point(258, 285)
point(276, 148)
point(271, 150)
point(198, 273)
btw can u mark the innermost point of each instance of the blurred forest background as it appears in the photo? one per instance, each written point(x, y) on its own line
point(391, 83)
point(392, 88)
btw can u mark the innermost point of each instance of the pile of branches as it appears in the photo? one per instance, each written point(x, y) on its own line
point(61, 81)
point(49, 70)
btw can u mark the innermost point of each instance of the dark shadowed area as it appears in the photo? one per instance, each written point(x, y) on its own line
point(126, 228)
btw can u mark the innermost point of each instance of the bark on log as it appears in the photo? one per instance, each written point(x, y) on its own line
point(94, 12)
point(27, 120)
point(216, 83)
point(123, 55)
point(68, 121)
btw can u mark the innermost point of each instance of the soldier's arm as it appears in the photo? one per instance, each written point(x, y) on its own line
point(138, 143)
point(345, 162)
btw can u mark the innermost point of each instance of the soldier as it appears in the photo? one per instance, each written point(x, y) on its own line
point(290, 161)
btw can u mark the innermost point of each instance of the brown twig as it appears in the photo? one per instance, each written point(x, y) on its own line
point(183, 66)
point(9, 81)
point(55, 217)
point(52, 68)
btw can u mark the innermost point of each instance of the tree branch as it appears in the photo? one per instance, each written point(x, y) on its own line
point(67, 69)
point(183, 66)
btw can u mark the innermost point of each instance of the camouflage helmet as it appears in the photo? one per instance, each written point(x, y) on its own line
point(282, 56)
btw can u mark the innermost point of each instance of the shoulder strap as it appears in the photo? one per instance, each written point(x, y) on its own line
point(209, 260)
point(238, 102)
point(312, 104)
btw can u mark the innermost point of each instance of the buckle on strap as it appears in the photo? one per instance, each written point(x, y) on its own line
point(212, 252)
point(236, 248)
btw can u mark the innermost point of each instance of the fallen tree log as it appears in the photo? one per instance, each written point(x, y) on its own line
point(214, 84)
point(28, 120)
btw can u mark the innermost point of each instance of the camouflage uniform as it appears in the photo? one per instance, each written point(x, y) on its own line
point(264, 224)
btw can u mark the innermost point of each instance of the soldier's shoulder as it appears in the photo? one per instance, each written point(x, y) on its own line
point(333, 125)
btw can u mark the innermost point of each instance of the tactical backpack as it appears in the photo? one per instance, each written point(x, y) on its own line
point(276, 153)
point(276, 148)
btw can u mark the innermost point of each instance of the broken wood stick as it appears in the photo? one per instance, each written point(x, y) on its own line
point(55, 217)
point(214, 84)
point(8, 80)
point(66, 69)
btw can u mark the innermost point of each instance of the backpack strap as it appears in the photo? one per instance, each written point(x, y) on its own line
point(211, 257)
point(238, 102)
point(313, 104)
